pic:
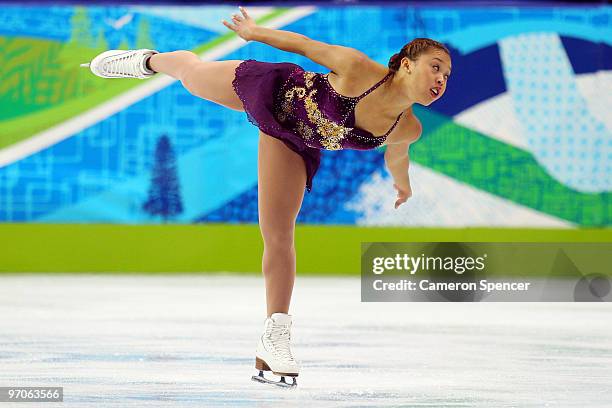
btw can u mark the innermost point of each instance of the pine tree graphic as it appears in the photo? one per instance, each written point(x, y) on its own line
point(164, 194)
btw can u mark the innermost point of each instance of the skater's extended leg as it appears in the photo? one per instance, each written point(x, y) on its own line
point(174, 63)
point(210, 80)
point(282, 178)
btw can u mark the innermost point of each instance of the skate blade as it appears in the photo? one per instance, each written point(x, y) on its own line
point(281, 383)
point(86, 65)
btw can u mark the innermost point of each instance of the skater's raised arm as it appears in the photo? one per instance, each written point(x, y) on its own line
point(337, 58)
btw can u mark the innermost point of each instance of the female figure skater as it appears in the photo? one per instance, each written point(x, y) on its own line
point(360, 104)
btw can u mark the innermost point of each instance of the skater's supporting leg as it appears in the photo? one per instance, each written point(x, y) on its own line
point(211, 80)
point(282, 178)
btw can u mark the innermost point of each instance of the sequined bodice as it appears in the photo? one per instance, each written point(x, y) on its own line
point(322, 117)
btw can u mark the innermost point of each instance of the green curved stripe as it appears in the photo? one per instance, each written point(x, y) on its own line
point(25, 126)
point(503, 170)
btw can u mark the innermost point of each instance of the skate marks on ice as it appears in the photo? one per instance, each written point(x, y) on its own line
point(190, 340)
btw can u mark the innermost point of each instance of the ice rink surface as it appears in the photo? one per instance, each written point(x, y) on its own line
point(189, 341)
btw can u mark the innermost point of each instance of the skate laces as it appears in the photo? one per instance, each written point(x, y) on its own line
point(280, 337)
point(126, 64)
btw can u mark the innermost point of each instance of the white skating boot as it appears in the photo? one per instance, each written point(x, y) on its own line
point(273, 351)
point(122, 64)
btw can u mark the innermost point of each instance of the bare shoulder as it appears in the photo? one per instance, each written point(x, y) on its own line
point(363, 73)
point(366, 69)
point(408, 129)
point(366, 66)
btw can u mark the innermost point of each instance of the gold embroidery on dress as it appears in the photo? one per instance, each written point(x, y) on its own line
point(308, 76)
point(285, 111)
point(297, 89)
point(331, 132)
point(305, 131)
point(286, 107)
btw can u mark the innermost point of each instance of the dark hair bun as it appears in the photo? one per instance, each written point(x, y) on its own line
point(394, 62)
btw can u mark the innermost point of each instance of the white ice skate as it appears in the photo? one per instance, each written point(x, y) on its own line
point(273, 352)
point(122, 64)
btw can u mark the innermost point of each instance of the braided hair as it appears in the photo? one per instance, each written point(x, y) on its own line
point(413, 50)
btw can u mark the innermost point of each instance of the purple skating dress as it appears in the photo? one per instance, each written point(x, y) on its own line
point(303, 110)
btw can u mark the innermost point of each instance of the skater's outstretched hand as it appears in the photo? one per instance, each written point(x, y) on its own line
point(403, 194)
point(243, 25)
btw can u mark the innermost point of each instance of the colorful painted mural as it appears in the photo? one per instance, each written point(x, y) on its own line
point(522, 138)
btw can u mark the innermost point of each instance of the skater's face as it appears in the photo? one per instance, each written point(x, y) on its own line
point(427, 76)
